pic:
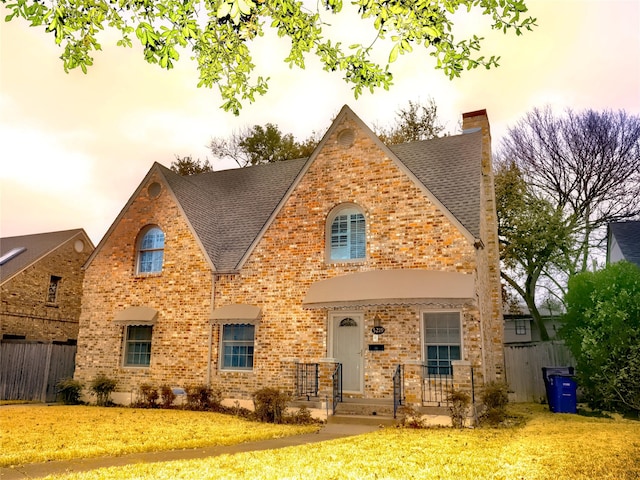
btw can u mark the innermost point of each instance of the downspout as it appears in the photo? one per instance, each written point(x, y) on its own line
point(213, 297)
point(480, 245)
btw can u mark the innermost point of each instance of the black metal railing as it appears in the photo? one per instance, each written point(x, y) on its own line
point(307, 380)
point(437, 384)
point(336, 378)
point(398, 389)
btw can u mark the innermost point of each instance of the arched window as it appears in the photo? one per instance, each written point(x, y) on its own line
point(346, 234)
point(151, 251)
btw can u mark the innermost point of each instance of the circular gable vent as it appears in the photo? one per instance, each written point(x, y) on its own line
point(154, 190)
point(346, 138)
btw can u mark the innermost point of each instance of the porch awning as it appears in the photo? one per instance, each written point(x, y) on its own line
point(236, 313)
point(136, 316)
point(391, 287)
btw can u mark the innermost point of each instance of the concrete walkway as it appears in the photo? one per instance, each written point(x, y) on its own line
point(36, 470)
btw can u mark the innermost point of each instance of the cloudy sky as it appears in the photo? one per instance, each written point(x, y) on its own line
point(74, 147)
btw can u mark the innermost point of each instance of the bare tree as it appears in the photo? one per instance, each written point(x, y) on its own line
point(586, 166)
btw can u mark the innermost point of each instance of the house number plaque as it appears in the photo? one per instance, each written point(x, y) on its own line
point(377, 330)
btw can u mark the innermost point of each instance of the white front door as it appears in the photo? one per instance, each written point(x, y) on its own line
point(347, 348)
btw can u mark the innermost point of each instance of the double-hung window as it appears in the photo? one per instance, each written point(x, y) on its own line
point(442, 342)
point(151, 251)
point(237, 346)
point(347, 235)
point(138, 346)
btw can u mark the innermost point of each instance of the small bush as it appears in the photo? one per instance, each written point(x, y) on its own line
point(103, 386)
point(302, 416)
point(148, 396)
point(70, 390)
point(203, 397)
point(495, 399)
point(411, 418)
point(167, 397)
point(459, 408)
point(270, 404)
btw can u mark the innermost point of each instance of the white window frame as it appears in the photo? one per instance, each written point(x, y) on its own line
point(140, 250)
point(221, 356)
point(349, 210)
point(423, 335)
point(127, 343)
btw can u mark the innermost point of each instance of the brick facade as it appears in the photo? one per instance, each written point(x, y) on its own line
point(25, 310)
point(405, 229)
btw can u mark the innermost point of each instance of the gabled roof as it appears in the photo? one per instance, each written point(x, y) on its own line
point(229, 210)
point(35, 247)
point(627, 235)
point(450, 168)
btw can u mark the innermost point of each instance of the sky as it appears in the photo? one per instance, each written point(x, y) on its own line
point(74, 147)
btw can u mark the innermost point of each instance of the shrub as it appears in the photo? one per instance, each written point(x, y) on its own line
point(149, 396)
point(167, 397)
point(203, 397)
point(270, 404)
point(459, 403)
point(103, 386)
point(411, 418)
point(495, 398)
point(70, 391)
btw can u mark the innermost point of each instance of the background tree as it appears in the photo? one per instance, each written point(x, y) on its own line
point(533, 237)
point(581, 171)
point(188, 166)
point(602, 331)
point(256, 145)
point(221, 33)
point(417, 121)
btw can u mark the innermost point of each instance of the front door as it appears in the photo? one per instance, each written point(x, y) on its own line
point(347, 349)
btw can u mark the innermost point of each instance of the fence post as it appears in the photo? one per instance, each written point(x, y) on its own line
point(45, 378)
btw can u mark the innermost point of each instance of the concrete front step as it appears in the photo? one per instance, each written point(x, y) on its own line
point(379, 420)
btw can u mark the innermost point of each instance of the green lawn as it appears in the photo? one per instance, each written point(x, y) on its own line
point(548, 446)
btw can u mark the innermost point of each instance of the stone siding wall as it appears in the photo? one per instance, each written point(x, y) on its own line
point(404, 230)
point(181, 294)
point(24, 308)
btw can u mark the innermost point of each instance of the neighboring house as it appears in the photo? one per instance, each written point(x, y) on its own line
point(41, 285)
point(519, 327)
point(623, 242)
point(363, 256)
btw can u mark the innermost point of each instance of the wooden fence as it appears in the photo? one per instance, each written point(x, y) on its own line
point(30, 371)
point(524, 368)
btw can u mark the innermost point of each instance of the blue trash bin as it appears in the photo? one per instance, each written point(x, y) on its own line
point(563, 392)
point(547, 372)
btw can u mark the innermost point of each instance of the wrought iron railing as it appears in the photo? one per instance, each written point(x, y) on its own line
point(398, 389)
point(437, 384)
point(336, 378)
point(307, 380)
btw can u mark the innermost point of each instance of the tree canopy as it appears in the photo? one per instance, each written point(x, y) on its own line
point(560, 180)
point(188, 166)
point(602, 331)
point(222, 33)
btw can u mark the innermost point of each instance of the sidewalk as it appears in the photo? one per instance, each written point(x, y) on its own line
point(36, 470)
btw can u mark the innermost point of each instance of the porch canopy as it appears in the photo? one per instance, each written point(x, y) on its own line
point(136, 316)
point(236, 313)
point(391, 287)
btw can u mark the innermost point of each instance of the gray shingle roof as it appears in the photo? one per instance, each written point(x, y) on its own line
point(627, 235)
point(228, 209)
point(37, 246)
point(450, 168)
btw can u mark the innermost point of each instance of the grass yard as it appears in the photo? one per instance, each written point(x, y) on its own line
point(32, 434)
point(548, 446)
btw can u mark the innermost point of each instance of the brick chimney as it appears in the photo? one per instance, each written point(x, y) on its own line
point(489, 269)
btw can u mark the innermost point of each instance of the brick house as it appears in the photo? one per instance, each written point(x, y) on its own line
point(41, 285)
point(378, 259)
